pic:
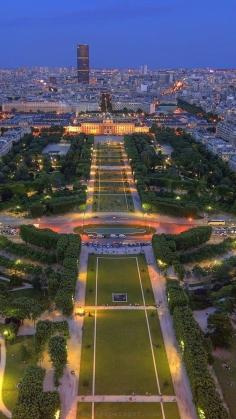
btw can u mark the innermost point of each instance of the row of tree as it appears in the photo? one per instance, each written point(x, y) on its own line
point(196, 351)
point(207, 252)
point(27, 175)
point(55, 334)
point(198, 111)
point(24, 250)
point(67, 248)
point(167, 247)
point(213, 182)
point(147, 167)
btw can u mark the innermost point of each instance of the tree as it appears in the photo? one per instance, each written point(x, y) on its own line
point(6, 194)
point(220, 329)
point(37, 210)
point(58, 354)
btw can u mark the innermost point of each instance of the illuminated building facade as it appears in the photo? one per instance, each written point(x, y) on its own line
point(107, 127)
point(83, 63)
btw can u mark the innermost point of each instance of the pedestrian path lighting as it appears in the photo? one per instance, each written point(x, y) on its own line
point(201, 413)
point(161, 263)
point(57, 414)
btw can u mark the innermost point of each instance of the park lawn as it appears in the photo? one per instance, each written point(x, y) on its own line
point(171, 411)
point(114, 229)
point(86, 366)
point(121, 410)
point(118, 275)
point(124, 363)
point(111, 202)
point(109, 161)
point(112, 187)
point(110, 175)
point(109, 158)
point(84, 411)
point(164, 374)
point(15, 368)
point(227, 376)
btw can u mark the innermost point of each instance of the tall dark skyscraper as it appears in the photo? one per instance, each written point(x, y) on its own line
point(83, 63)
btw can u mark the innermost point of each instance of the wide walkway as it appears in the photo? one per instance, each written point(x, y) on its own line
point(3, 408)
point(126, 399)
point(69, 386)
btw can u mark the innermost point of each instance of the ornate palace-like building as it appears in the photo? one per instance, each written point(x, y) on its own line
point(107, 127)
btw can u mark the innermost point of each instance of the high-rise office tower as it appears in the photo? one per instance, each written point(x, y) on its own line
point(83, 63)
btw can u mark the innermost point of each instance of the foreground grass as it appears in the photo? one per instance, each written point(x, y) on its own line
point(86, 367)
point(128, 410)
point(171, 411)
point(112, 202)
point(16, 364)
point(163, 368)
point(121, 410)
point(124, 363)
point(118, 275)
point(227, 377)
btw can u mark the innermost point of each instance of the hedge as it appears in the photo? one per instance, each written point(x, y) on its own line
point(45, 238)
point(206, 252)
point(166, 246)
point(21, 249)
point(191, 340)
point(45, 329)
point(196, 351)
point(67, 248)
point(176, 296)
point(32, 401)
point(58, 353)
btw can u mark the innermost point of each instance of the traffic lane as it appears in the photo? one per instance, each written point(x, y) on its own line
point(159, 227)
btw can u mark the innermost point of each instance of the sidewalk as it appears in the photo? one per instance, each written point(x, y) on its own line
point(3, 408)
point(70, 382)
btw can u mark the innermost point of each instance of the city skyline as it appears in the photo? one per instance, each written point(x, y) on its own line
point(164, 34)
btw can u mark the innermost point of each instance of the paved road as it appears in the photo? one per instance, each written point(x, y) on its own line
point(178, 372)
point(3, 408)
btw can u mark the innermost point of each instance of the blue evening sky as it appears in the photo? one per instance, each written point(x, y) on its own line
point(121, 33)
